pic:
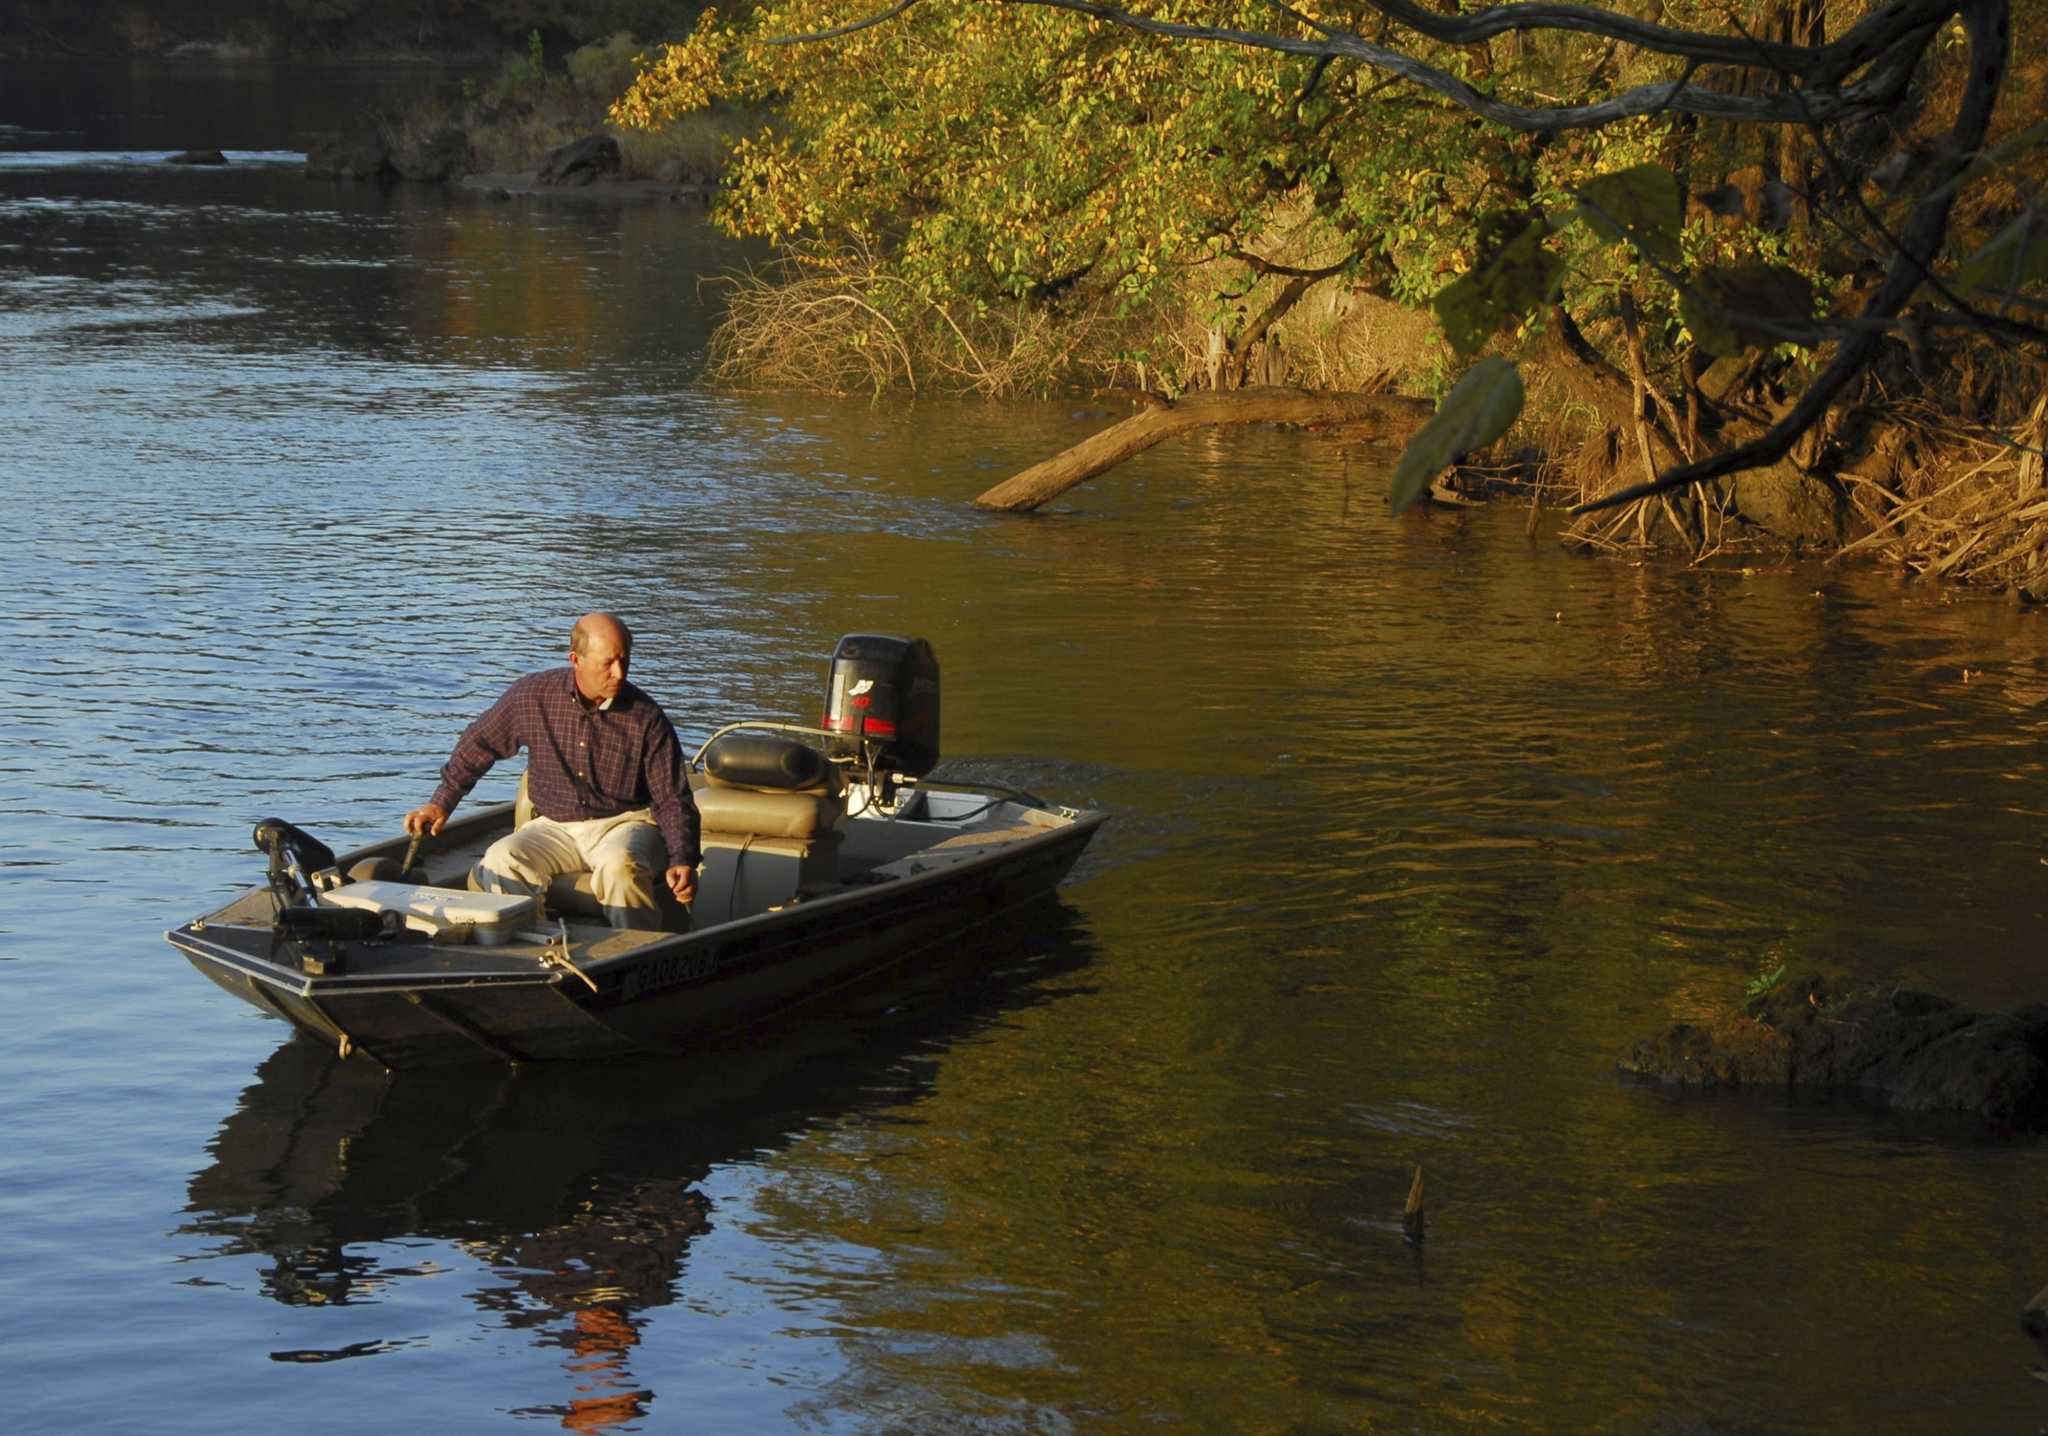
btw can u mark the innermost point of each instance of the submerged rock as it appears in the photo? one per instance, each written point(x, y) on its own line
point(1920, 1052)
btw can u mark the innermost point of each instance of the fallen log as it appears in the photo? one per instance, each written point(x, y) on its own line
point(1389, 417)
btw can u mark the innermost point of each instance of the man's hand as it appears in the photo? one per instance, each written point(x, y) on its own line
point(682, 881)
point(428, 818)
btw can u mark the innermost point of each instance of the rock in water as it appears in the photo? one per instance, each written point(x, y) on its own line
point(580, 161)
point(1920, 1052)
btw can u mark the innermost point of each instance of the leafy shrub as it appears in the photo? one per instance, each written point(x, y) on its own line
point(603, 70)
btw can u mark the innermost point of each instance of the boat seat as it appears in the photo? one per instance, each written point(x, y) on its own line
point(572, 894)
point(772, 811)
point(764, 848)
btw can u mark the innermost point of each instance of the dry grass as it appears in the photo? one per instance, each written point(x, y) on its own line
point(833, 319)
point(1978, 512)
point(692, 147)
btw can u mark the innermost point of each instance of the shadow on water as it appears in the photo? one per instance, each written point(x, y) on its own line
point(575, 1186)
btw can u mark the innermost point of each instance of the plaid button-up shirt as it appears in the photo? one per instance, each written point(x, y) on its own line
point(582, 761)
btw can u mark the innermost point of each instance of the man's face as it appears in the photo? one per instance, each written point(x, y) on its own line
point(601, 667)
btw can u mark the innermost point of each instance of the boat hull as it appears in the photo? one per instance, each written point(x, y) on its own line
point(416, 1004)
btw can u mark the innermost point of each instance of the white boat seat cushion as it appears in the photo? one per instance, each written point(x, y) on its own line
point(492, 917)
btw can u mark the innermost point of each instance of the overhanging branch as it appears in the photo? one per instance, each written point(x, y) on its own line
point(1989, 26)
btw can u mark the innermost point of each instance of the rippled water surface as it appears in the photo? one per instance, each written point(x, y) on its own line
point(1417, 825)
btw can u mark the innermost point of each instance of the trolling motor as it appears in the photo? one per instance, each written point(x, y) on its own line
point(295, 855)
point(311, 931)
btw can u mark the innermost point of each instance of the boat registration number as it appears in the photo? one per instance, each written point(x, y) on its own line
point(668, 971)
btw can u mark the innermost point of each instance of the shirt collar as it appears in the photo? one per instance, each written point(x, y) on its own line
point(576, 695)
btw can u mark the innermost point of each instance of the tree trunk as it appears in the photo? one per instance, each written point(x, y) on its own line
point(1590, 379)
point(1387, 416)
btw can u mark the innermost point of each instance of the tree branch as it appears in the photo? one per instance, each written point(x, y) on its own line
point(1876, 92)
point(853, 28)
point(1989, 24)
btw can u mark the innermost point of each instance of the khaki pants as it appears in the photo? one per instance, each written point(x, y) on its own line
point(625, 856)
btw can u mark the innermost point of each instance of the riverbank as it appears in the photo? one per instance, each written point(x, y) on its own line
point(616, 189)
point(1908, 484)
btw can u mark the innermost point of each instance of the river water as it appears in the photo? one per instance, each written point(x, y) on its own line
point(1418, 824)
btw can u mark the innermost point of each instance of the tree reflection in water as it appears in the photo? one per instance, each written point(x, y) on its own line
point(575, 1187)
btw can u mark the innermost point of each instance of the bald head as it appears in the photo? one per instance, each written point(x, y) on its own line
point(600, 625)
point(600, 651)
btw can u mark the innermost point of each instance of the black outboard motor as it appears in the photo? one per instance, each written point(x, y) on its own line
point(882, 703)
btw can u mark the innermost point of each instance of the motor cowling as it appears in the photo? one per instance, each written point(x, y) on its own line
point(882, 695)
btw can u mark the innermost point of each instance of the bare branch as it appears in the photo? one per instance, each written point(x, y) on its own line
point(1496, 20)
point(833, 34)
point(1267, 266)
point(1875, 92)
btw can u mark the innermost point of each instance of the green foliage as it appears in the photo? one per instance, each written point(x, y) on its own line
point(996, 153)
point(1015, 153)
point(521, 79)
point(1640, 204)
point(605, 68)
point(2016, 256)
point(1479, 409)
point(1516, 276)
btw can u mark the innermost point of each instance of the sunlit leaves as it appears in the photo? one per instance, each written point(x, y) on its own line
point(679, 78)
point(996, 150)
point(987, 153)
point(1480, 408)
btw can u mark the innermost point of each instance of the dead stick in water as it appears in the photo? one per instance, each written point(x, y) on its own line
point(2034, 1321)
point(1411, 1215)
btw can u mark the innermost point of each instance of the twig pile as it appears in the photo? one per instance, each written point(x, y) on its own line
point(1980, 517)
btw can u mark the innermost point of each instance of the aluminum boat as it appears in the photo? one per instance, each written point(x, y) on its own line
point(829, 856)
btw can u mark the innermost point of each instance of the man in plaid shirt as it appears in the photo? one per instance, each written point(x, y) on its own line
point(606, 776)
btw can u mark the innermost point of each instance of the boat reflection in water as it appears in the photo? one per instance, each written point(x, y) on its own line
point(574, 1186)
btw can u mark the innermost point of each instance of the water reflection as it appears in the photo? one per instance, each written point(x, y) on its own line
point(572, 1194)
